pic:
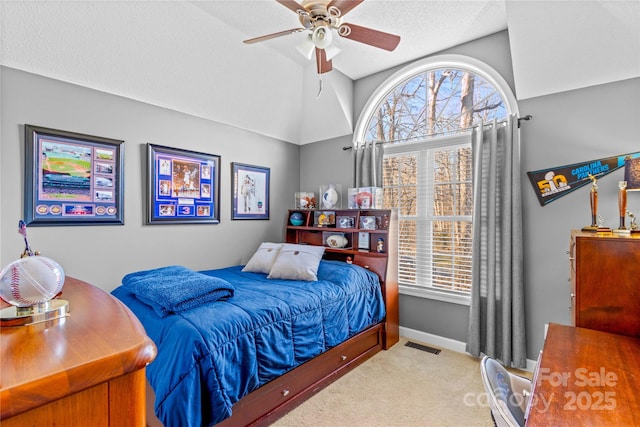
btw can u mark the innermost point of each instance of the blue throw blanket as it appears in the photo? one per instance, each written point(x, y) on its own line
point(176, 288)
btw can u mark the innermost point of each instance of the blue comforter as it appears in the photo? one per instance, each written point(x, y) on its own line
point(210, 356)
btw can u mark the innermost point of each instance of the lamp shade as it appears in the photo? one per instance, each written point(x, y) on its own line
point(306, 48)
point(331, 51)
point(321, 37)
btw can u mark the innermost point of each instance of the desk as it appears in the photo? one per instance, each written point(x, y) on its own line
point(586, 377)
point(86, 369)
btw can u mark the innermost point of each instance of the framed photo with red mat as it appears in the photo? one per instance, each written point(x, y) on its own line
point(183, 186)
point(72, 178)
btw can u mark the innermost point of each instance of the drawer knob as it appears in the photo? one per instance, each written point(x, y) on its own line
point(343, 357)
point(285, 392)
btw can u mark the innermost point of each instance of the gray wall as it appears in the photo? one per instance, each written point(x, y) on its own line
point(567, 128)
point(103, 254)
point(570, 127)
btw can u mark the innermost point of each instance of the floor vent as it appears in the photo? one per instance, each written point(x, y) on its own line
point(423, 347)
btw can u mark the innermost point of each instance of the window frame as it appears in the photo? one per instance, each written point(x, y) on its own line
point(421, 149)
point(461, 62)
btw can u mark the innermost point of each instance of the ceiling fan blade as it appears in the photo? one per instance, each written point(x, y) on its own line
point(274, 35)
point(344, 6)
point(369, 36)
point(322, 64)
point(291, 4)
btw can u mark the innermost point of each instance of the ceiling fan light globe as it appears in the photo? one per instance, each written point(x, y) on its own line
point(321, 37)
point(331, 51)
point(306, 48)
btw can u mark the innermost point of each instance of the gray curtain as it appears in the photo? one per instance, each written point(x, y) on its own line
point(496, 318)
point(367, 158)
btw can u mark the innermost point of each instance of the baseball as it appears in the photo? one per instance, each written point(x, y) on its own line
point(30, 281)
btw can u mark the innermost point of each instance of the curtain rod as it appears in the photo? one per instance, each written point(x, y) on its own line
point(520, 119)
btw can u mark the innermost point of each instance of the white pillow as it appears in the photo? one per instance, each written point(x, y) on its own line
point(297, 262)
point(263, 258)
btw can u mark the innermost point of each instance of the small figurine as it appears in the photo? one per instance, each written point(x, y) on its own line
point(380, 247)
point(632, 225)
point(22, 229)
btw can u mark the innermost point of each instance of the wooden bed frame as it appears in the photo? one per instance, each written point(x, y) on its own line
point(279, 396)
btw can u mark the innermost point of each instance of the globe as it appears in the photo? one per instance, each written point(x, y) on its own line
point(30, 281)
point(296, 218)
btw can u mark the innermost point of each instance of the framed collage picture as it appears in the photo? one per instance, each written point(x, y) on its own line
point(72, 178)
point(250, 186)
point(183, 186)
point(632, 173)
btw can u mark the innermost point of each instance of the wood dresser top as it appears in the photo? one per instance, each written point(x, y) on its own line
point(606, 235)
point(586, 378)
point(99, 340)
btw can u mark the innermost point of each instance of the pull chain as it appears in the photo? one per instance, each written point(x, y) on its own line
point(319, 75)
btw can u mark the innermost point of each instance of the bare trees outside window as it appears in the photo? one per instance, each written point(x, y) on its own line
point(425, 123)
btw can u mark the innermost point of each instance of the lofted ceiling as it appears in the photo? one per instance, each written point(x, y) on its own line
point(424, 27)
point(188, 55)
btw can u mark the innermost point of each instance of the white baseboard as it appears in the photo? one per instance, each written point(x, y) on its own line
point(438, 341)
point(446, 343)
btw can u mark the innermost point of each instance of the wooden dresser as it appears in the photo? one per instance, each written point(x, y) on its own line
point(585, 378)
point(86, 369)
point(605, 282)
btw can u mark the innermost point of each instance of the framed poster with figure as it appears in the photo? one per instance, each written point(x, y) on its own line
point(72, 178)
point(250, 186)
point(183, 186)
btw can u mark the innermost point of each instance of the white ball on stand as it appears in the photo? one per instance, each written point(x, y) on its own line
point(30, 281)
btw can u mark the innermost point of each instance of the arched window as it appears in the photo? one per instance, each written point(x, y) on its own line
point(423, 115)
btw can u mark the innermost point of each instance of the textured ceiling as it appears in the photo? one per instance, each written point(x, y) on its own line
point(189, 56)
point(563, 45)
point(424, 27)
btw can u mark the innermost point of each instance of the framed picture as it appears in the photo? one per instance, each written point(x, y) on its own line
point(183, 186)
point(250, 186)
point(345, 221)
point(72, 178)
point(363, 241)
point(632, 173)
point(368, 222)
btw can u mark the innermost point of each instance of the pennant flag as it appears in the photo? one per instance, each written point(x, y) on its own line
point(551, 184)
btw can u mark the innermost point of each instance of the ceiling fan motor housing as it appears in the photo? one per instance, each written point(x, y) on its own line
point(315, 13)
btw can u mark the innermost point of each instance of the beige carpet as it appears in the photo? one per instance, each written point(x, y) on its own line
point(400, 387)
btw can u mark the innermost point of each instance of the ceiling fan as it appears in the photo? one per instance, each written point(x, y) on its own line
point(319, 18)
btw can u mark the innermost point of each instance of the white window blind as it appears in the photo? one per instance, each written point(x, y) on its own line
point(430, 183)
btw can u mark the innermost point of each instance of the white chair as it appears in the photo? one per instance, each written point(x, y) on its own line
point(508, 394)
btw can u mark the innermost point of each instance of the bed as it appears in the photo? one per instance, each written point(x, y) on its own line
point(249, 357)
